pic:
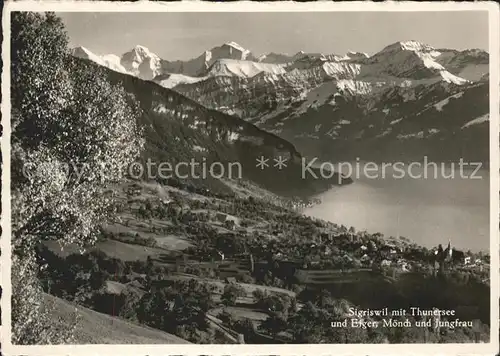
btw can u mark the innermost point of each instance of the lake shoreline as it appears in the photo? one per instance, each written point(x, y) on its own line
point(427, 211)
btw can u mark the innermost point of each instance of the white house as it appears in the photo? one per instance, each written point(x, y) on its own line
point(221, 255)
point(385, 263)
point(365, 257)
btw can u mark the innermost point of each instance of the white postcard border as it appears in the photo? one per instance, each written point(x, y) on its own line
point(251, 349)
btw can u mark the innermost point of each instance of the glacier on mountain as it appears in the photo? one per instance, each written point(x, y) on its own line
point(477, 121)
point(171, 80)
point(439, 106)
point(407, 91)
point(110, 60)
point(244, 69)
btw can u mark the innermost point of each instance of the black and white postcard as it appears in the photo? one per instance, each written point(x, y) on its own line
point(281, 178)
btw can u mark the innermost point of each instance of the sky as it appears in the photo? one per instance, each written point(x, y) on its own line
point(186, 35)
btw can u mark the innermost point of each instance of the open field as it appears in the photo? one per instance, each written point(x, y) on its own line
point(249, 288)
point(165, 241)
point(112, 248)
point(113, 287)
point(241, 313)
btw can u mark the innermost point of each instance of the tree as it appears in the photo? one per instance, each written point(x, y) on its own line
point(227, 318)
point(142, 212)
point(130, 300)
point(348, 336)
point(231, 293)
point(161, 211)
point(413, 334)
point(97, 279)
point(259, 295)
point(244, 326)
point(323, 298)
point(154, 309)
point(274, 324)
point(305, 327)
point(72, 133)
point(149, 272)
point(339, 307)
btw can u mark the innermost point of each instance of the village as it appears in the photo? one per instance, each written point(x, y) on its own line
point(256, 267)
point(361, 251)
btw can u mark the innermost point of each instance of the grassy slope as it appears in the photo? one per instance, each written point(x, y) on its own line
point(97, 328)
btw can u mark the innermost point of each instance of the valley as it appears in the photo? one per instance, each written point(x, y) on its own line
point(257, 265)
point(241, 245)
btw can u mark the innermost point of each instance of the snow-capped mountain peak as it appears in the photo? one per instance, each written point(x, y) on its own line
point(143, 52)
point(408, 46)
point(229, 50)
point(81, 50)
point(243, 69)
point(111, 57)
point(141, 62)
point(84, 52)
point(235, 45)
point(141, 48)
point(276, 58)
point(356, 55)
point(137, 55)
point(318, 96)
point(413, 45)
point(413, 60)
point(208, 56)
point(109, 60)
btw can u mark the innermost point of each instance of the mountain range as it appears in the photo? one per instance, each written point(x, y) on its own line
point(177, 130)
point(404, 102)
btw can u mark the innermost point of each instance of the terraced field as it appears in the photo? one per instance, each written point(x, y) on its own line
point(165, 241)
point(242, 313)
point(234, 268)
point(248, 287)
point(112, 248)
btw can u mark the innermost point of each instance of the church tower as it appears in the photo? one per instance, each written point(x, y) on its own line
point(448, 253)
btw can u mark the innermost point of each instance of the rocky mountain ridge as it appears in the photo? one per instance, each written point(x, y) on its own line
point(215, 146)
point(406, 96)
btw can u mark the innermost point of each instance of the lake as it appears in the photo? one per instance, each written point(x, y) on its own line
point(429, 211)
